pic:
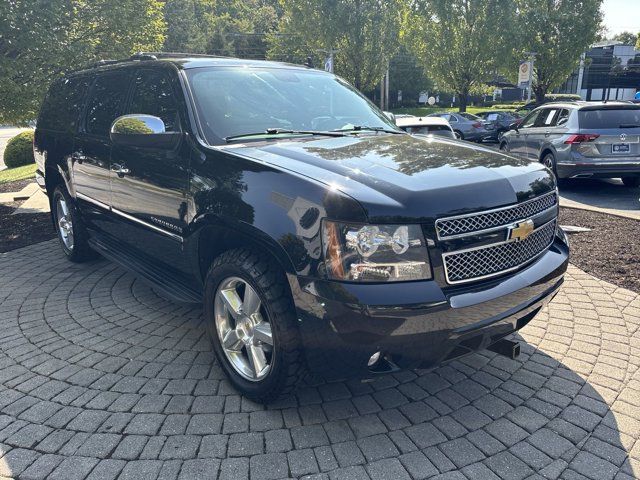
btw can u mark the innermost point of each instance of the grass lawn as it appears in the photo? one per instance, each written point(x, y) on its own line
point(422, 111)
point(18, 173)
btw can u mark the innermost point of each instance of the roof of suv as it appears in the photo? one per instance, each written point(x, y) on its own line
point(584, 105)
point(184, 61)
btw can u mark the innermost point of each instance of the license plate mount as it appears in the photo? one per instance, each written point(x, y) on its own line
point(620, 148)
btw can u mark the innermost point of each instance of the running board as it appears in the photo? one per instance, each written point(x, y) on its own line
point(153, 275)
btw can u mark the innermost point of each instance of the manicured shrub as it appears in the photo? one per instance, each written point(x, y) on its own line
point(19, 150)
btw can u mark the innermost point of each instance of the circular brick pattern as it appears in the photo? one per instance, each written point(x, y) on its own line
point(101, 377)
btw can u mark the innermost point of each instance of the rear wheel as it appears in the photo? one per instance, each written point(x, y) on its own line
point(504, 147)
point(71, 231)
point(251, 321)
point(631, 182)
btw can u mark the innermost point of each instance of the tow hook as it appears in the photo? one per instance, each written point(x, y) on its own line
point(506, 347)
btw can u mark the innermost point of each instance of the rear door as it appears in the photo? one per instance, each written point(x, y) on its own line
point(152, 195)
point(90, 159)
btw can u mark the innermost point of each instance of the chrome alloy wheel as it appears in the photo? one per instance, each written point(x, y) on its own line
point(547, 161)
point(65, 222)
point(243, 328)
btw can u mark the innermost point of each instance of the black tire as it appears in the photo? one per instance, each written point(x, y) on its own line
point(79, 251)
point(264, 275)
point(504, 147)
point(458, 134)
point(549, 161)
point(631, 182)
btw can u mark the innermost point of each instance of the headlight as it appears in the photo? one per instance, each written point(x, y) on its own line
point(375, 253)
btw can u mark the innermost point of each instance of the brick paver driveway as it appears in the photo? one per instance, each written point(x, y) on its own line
point(103, 378)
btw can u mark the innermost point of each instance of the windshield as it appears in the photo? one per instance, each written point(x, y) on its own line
point(469, 116)
point(233, 101)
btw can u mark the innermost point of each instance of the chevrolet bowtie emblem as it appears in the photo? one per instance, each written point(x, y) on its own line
point(520, 231)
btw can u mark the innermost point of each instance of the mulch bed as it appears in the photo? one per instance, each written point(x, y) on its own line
point(610, 251)
point(20, 230)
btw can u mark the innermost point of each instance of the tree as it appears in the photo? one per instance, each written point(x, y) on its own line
point(408, 76)
point(627, 38)
point(224, 27)
point(552, 30)
point(189, 25)
point(460, 42)
point(41, 39)
point(364, 33)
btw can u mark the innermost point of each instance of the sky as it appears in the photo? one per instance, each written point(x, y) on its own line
point(621, 15)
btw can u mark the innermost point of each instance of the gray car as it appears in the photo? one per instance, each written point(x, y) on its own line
point(581, 139)
point(467, 126)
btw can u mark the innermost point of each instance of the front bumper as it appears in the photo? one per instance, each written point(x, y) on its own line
point(417, 324)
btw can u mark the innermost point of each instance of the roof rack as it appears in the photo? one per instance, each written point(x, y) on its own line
point(157, 55)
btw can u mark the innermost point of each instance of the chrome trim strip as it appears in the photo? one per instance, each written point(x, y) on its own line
point(129, 217)
point(148, 225)
point(499, 227)
point(484, 212)
point(501, 272)
point(92, 200)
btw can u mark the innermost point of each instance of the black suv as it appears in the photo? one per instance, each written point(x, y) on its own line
point(315, 233)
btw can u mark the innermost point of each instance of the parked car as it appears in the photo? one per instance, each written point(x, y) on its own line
point(315, 233)
point(500, 120)
point(466, 126)
point(581, 139)
point(425, 126)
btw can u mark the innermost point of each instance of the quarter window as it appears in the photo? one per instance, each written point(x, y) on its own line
point(153, 95)
point(106, 102)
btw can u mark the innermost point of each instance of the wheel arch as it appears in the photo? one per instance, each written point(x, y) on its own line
point(546, 150)
point(215, 237)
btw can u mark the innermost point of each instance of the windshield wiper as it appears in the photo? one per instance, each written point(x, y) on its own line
point(278, 131)
point(629, 125)
point(359, 128)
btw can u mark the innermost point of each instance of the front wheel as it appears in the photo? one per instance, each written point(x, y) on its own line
point(251, 321)
point(631, 182)
point(71, 231)
point(458, 134)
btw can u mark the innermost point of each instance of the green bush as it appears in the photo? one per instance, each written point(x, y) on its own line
point(558, 97)
point(19, 150)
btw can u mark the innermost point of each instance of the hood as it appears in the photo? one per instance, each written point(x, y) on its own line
point(406, 178)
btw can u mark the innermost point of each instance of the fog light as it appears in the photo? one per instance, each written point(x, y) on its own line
point(374, 359)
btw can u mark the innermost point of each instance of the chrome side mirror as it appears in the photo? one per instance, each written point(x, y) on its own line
point(145, 131)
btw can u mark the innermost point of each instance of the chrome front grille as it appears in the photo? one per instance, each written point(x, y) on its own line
point(487, 261)
point(463, 225)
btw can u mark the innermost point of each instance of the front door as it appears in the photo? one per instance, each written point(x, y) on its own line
point(92, 147)
point(539, 134)
point(149, 185)
point(518, 138)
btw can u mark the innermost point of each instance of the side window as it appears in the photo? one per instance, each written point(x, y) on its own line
point(61, 108)
point(563, 117)
point(492, 117)
point(547, 117)
point(106, 102)
point(450, 118)
point(530, 119)
point(153, 95)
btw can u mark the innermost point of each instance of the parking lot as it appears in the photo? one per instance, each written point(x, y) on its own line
point(102, 377)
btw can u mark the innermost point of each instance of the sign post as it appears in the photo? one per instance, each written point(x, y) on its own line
point(525, 74)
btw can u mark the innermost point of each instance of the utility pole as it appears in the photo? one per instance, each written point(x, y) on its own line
point(384, 91)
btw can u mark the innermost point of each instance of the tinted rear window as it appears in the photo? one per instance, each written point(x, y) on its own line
point(609, 118)
point(60, 110)
point(106, 102)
